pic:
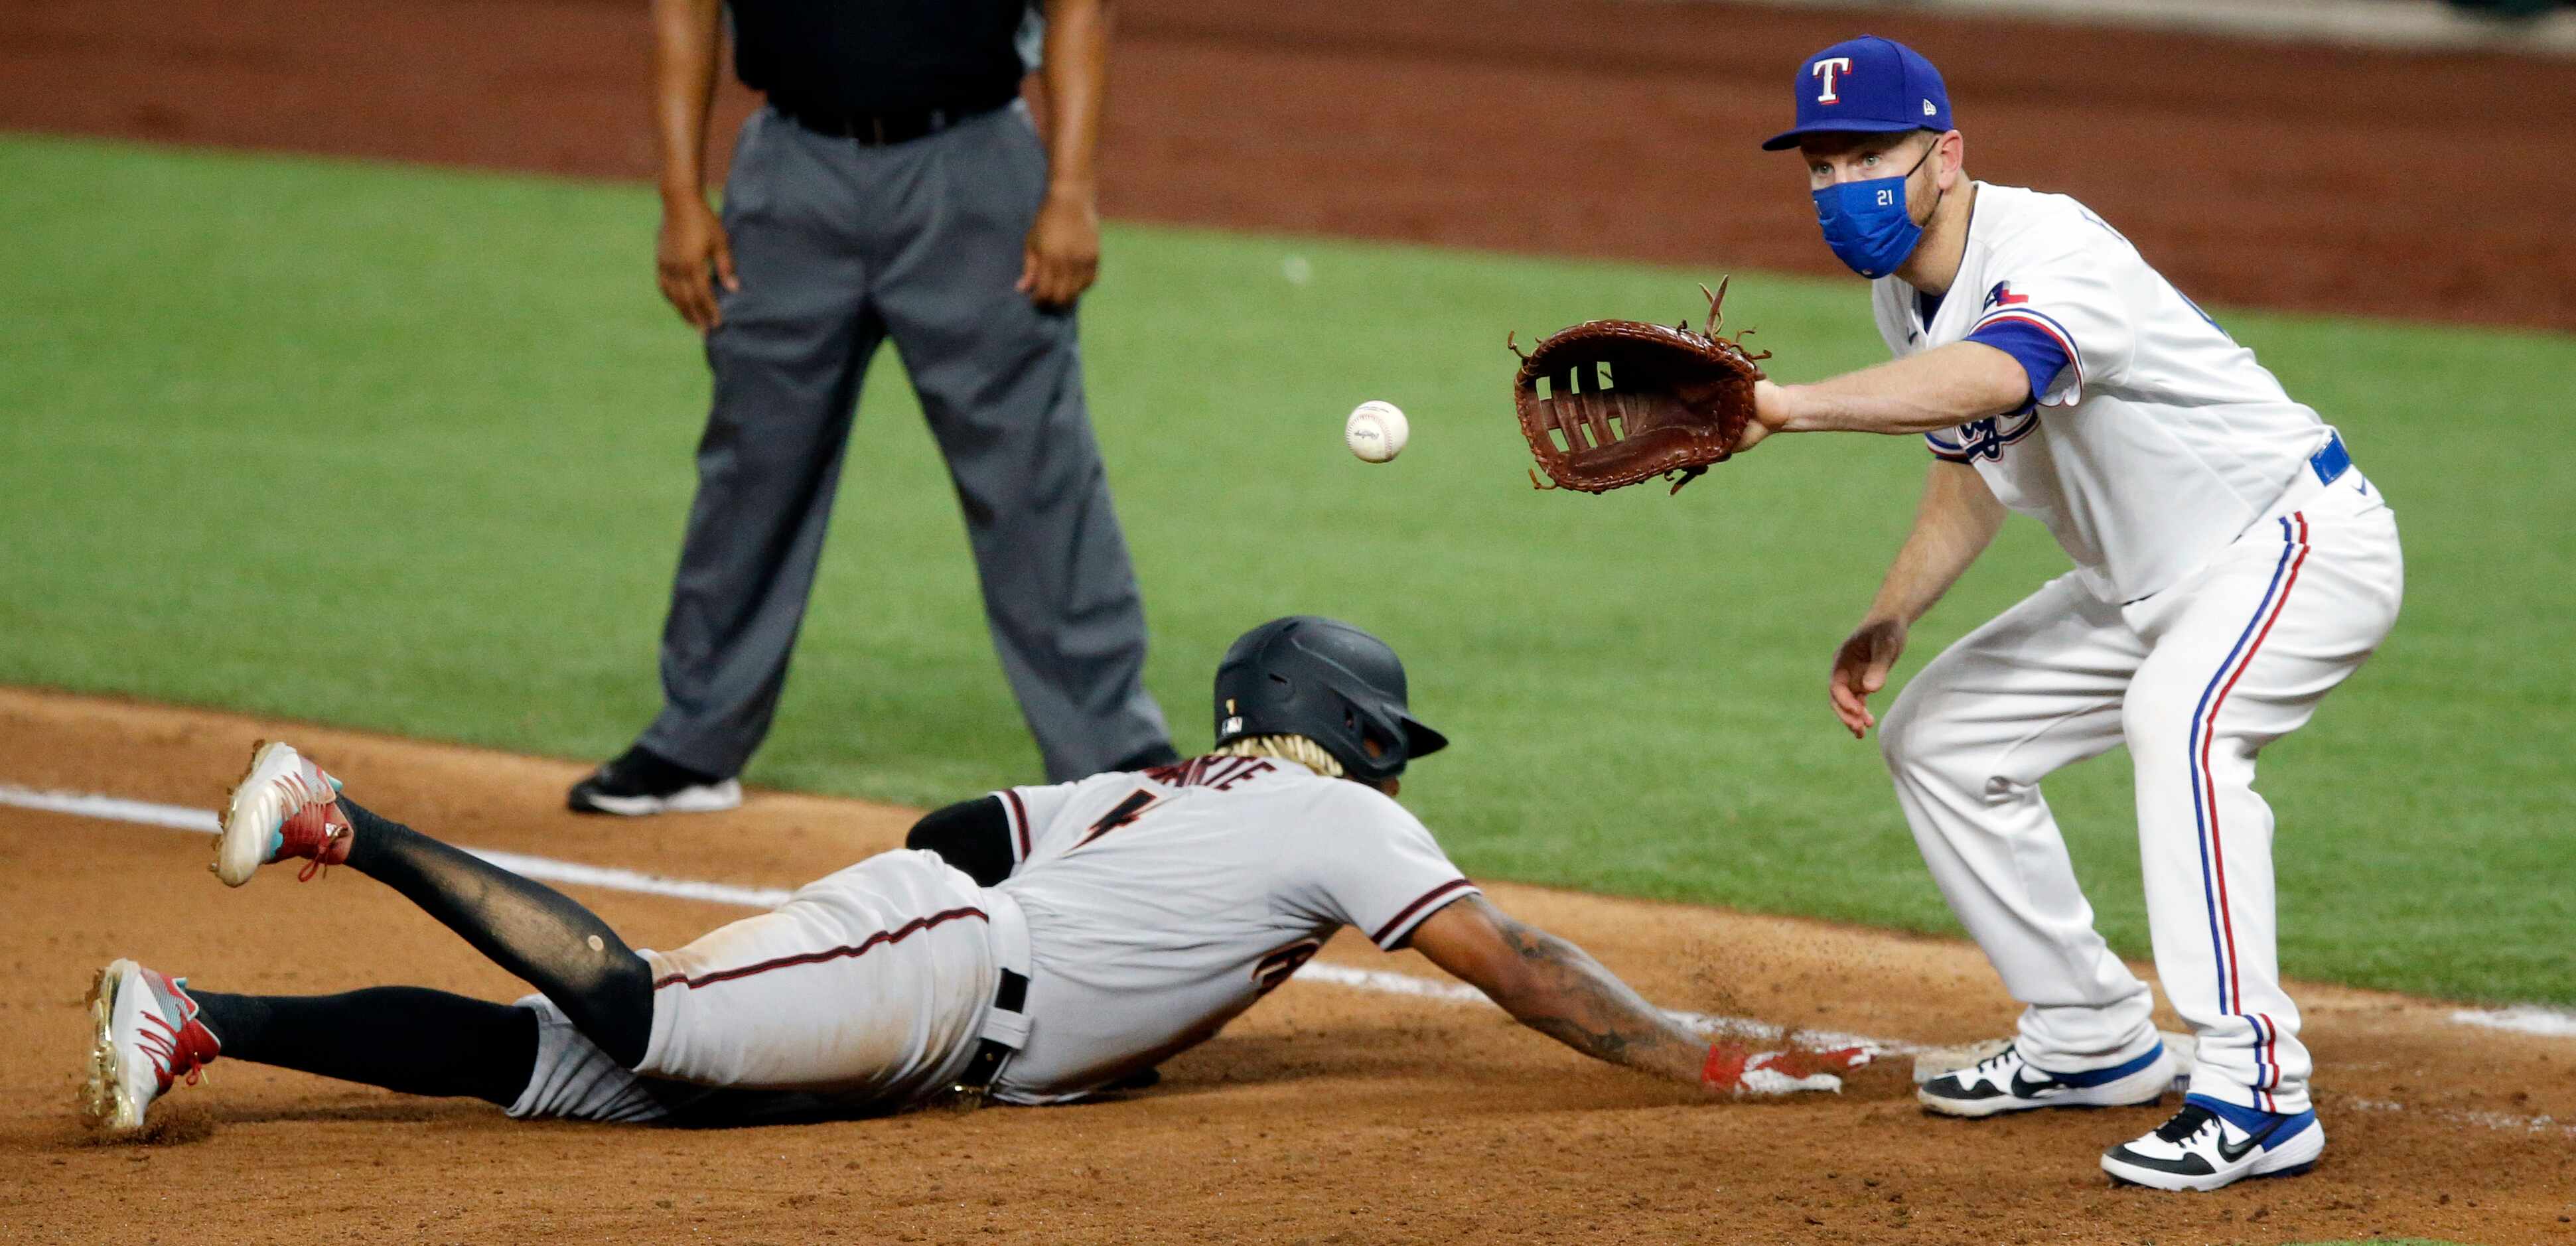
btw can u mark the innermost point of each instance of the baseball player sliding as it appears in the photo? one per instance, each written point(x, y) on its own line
point(2231, 567)
point(1033, 946)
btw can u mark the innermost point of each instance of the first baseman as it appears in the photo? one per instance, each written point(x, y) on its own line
point(2232, 566)
point(1036, 945)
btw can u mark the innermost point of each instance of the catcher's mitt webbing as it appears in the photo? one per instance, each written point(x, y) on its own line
point(1626, 401)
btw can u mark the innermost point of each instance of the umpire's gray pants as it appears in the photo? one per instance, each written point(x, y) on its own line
point(839, 246)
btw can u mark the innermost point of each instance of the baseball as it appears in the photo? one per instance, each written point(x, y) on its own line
point(1376, 431)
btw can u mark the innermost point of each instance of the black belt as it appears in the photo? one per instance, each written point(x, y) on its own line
point(977, 1081)
point(873, 129)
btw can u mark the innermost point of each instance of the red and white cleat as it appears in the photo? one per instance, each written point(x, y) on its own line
point(285, 807)
point(146, 1038)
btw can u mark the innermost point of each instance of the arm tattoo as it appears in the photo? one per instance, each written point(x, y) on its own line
point(1580, 1004)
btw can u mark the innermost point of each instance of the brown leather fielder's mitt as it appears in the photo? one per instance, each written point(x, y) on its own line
point(1625, 401)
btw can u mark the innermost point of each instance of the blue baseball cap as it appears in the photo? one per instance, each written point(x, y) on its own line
point(1866, 85)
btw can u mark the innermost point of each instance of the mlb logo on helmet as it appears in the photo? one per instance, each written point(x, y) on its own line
point(1867, 85)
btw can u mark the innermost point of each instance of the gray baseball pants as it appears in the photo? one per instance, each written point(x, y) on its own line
point(839, 246)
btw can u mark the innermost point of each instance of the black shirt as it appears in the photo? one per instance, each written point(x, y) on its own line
point(879, 56)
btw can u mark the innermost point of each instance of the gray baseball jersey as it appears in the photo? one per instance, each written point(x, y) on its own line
point(1162, 904)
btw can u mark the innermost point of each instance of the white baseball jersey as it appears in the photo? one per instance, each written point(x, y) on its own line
point(2232, 567)
point(1162, 904)
point(2160, 442)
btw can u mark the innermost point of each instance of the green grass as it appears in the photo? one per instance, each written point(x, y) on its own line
point(409, 450)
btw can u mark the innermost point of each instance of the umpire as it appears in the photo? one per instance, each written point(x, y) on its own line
point(894, 186)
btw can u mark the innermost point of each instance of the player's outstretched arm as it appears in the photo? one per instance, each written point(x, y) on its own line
point(1957, 519)
point(1923, 393)
point(1554, 987)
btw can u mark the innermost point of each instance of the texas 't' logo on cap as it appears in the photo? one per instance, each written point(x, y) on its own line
point(1824, 71)
point(1866, 85)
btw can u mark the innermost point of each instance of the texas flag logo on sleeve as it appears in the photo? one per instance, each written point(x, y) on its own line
point(2002, 296)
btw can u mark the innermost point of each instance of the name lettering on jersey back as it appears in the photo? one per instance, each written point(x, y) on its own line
point(1217, 773)
point(1221, 773)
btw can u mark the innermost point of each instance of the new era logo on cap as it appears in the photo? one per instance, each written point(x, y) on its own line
point(1867, 85)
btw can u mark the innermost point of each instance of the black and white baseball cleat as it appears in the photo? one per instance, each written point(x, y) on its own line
point(2209, 1144)
point(2004, 1082)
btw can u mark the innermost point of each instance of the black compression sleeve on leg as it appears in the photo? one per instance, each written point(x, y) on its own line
point(526, 927)
point(406, 1038)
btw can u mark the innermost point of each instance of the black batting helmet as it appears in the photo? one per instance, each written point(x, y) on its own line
point(1329, 682)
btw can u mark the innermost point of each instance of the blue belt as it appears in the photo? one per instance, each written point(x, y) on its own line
point(2331, 462)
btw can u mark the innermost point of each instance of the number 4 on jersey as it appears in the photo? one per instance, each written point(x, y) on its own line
point(1122, 813)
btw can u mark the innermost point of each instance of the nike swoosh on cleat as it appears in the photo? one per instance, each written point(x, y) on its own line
point(2234, 1153)
point(2034, 1090)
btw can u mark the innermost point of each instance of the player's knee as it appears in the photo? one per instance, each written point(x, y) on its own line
point(2155, 720)
point(1905, 737)
point(612, 1003)
point(574, 1079)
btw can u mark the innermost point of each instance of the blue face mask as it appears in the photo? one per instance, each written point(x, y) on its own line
point(1866, 222)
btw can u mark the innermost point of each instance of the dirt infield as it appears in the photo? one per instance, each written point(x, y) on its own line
point(2258, 174)
point(1328, 1114)
point(2317, 179)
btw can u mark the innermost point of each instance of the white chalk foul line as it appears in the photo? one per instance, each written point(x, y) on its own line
point(2505, 1121)
point(2524, 1019)
point(546, 869)
point(111, 808)
point(1388, 983)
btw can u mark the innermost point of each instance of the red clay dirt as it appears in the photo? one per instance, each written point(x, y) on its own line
point(2260, 174)
point(2254, 174)
point(1328, 1114)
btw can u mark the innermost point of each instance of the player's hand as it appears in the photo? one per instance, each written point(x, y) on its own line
point(1860, 668)
point(1062, 256)
point(1770, 414)
point(1733, 1070)
point(691, 258)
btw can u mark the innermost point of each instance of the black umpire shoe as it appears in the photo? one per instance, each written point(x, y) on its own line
point(638, 783)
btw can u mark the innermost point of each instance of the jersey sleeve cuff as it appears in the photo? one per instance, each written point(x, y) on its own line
point(1392, 934)
point(2045, 351)
point(1016, 811)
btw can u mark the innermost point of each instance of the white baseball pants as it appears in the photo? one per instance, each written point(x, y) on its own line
point(2195, 679)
